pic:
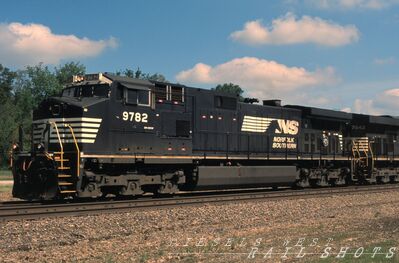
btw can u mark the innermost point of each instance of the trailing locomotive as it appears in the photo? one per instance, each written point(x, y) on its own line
point(108, 134)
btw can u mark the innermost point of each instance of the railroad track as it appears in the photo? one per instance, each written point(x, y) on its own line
point(24, 210)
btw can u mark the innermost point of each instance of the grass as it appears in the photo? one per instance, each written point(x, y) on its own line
point(5, 188)
point(5, 175)
point(367, 257)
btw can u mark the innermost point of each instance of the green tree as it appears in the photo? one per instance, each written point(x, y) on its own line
point(138, 74)
point(8, 129)
point(230, 88)
point(42, 82)
point(65, 72)
point(25, 103)
point(7, 78)
point(7, 112)
point(129, 73)
point(155, 77)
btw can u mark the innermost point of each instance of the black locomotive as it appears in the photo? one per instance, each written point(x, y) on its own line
point(107, 134)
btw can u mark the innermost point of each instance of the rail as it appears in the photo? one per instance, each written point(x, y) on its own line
point(21, 211)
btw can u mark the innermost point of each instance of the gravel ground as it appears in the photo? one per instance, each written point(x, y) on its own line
point(216, 233)
point(6, 196)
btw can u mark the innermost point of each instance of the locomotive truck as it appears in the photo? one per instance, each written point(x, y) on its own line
point(108, 134)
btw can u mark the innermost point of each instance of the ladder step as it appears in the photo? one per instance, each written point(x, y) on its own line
point(59, 160)
point(64, 183)
point(64, 168)
point(64, 176)
point(67, 191)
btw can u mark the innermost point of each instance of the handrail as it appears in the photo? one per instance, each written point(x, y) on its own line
point(372, 156)
point(355, 148)
point(77, 149)
point(366, 152)
point(60, 142)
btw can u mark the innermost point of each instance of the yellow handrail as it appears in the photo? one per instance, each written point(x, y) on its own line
point(77, 148)
point(60, 142)
point(372, 156)
point(366, 153)
point(355, 148)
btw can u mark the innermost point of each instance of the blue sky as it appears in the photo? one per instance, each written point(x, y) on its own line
point(341, 54)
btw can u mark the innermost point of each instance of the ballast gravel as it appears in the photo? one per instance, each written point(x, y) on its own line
point(234, 232)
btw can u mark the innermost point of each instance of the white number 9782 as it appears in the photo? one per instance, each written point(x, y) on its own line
point(135, 116)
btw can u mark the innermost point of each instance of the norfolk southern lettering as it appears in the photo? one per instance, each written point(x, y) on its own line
point(107, 134)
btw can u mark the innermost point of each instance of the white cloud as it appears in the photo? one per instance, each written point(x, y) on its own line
point(366, 107)
point(346, 109)
point(384, 61)
point(353, 4)
point(290, 30)
point(22, 44)
point(386, 102)
point(259, 77)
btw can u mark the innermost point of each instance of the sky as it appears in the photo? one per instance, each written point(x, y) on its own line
point(334, 54)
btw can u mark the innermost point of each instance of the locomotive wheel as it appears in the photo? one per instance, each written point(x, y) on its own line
point(167, 189)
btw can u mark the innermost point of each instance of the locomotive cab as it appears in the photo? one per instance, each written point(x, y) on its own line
point(61, 127)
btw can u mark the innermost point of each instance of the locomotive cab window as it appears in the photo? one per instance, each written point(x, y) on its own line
point(101, 90)
point(69, 92)
point(137, 97)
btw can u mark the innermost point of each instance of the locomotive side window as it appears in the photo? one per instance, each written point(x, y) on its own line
point(177, 94)
point(101, 91)
point(131, 96)
point(168, 93)
point(143, 97)
point(140, 97)
point(160, 92)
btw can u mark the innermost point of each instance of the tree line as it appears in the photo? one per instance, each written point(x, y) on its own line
point(22, 90)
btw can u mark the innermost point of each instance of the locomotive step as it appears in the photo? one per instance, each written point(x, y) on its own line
point(64, 183)
point(64, 176)
point(67, 191)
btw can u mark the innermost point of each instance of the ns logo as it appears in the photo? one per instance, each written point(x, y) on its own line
point(290, 127)
point(262, 124)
